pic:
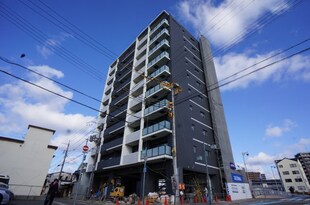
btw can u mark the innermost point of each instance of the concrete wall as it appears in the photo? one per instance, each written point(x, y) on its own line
point(27, 161)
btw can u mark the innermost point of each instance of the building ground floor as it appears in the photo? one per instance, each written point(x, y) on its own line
point(158, 178)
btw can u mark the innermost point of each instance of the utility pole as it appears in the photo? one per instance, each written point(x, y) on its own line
point(63, 163)
point(144, 173)
point(175, 89)
point(80, 175)
point(97, 141)
point(275, 178)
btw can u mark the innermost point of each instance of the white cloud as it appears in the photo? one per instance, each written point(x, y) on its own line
point(47, 49)
point(303, 145)
point(22, 104)
point(231, 19)
point(277, 131)
point(296, 68)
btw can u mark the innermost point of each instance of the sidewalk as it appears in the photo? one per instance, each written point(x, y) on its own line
point(236, 202)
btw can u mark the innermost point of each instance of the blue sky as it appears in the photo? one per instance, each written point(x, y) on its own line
point(267, 112)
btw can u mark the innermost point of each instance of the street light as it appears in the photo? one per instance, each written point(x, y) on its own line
point(274, 177)
point(246, 170)
point(207, 171)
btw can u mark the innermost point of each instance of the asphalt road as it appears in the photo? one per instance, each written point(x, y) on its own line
point(296, 200)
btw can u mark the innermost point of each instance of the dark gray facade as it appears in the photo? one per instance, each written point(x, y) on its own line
point(136, 114)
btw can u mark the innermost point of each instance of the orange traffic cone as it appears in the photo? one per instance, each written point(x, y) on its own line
point(228, 198)
point(166, 201)
point(139, 202)
point(117, 203)
point(216, 199)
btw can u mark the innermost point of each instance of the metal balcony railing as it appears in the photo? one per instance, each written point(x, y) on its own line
point(164, 21)
point(156, 106)
point(156, 151)
point(165, 41)
point(158, 35)
point(158, 58)
point(157, 127)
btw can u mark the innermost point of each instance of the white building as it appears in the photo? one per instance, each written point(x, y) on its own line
point(27, 161)
point(292, 175)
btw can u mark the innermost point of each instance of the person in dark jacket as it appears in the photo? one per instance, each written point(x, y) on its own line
point(52, 191)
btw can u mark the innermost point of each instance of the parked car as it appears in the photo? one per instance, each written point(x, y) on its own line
point(4, 197)
point(11, 194)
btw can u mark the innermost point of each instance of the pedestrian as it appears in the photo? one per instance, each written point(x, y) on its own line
point(52, 191)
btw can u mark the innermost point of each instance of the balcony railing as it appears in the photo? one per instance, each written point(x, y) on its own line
point(160, 70)
point(156, 151)
point(157, 127)
point(158, 58)
point(163, 44)
point(156, 106)
point(164, 21)
point(158, 35)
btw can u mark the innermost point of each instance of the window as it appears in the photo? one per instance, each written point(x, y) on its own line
point(280, 166)
point(195, 58)
point(295, 172)
point(286, 173)
point(189, 90)
point(293, 165)
point(187, 75)
point(288, 180)
point(198, 83)
point(298, 180)
point(194, 148)
point(302, 188)
point(190, 107)
point(202, 114)
point(199, 158)
point(204, 132)
point(193, 127)
point(200, 97)
point(197, 71)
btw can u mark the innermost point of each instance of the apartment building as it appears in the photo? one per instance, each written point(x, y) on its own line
point(161, 106)
point(304, 159)
point(292, 175)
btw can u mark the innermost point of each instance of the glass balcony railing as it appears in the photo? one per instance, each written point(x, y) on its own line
point(165, 41)
point(156, 106)
point(156, 151)
point(156, 127)
point(152, 90)
point(160, 70)
point(155, 60)
point(159, 34)
point(160, 24)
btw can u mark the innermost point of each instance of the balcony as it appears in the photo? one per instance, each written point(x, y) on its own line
point(131, 158)
point(160, 60)
point(155, 93)
point(162, 46)
point(112, 70)
point(132, 118)
point(163, 24)
point(132, 138)
point(156, 152)
point(121, 99)
point(142, 42)
point(113, 161)
point(135, 104)
point(137, 76)
point(157, 130)
point(140, 63)
point(115, 129)
point(157, 110)
point(141, 52)
point(112, 145)
point(162, 73)
point(105, 99)
point(160, 36)
point(137, 89)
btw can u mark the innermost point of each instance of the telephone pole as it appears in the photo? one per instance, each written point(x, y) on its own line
point(63, 163)
point(175, 89)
